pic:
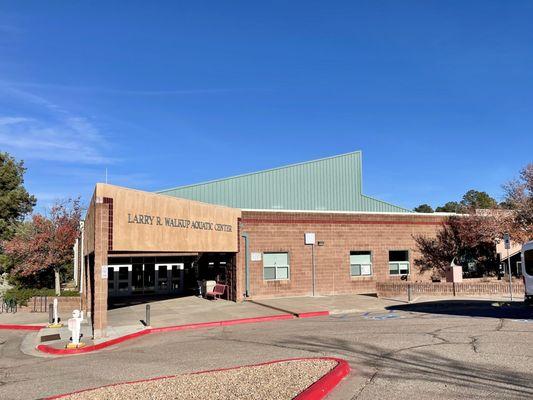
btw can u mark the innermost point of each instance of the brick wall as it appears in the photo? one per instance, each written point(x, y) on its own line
point(65, 305)
point(394, 289)
point(341, 233)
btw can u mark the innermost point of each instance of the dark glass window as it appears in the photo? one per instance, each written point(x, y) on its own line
point(528, 261)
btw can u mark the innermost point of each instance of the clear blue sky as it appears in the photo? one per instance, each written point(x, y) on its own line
point(437, 94)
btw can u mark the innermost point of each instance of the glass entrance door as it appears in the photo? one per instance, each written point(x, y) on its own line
point(177, 277)
point(137, 282)
point(119, 280)
point(161, 271)
point(149, 278)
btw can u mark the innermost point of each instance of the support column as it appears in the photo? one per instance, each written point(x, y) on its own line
point(101, 246)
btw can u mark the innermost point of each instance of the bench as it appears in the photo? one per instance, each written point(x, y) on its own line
point(218, 291)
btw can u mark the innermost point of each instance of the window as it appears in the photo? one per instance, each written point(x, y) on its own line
point(528, 262)
point(276, 266)
point(360, 263)
point(398, 262)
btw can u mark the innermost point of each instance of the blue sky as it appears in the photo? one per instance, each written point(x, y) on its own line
point(437, 94)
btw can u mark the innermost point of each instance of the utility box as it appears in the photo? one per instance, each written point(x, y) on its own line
point(454, 273)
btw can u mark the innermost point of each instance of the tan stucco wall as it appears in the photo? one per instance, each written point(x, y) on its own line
point(88, 228)
point(144, 221)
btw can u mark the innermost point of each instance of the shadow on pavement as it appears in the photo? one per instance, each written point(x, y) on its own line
point(421, 366)
point(469, 308)
point(127, 301)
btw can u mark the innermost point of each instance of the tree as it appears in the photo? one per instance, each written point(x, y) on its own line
point(519, 198)
point(474, 199)
point(423, 208)
point(45, 243)
point(450, 207)
point(15, 201)
point(467, 239)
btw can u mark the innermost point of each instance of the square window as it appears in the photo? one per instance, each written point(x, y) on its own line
point(398, 262)
point(276, 266)
point(360, 263)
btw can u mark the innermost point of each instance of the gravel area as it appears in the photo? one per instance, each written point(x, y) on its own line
point(279, 381)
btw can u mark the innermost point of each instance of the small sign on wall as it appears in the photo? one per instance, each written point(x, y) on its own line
point(255, 256)
point(104, 272)
point(309, 238)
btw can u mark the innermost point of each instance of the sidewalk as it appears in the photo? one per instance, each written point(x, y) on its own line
point(185, 310)
point(338, 304)
point(24, 318)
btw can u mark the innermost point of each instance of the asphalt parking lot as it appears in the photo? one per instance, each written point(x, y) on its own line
point(444, 349)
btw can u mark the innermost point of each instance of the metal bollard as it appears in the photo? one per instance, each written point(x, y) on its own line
point(51, 314)
point(147, 319)
point(409, 292)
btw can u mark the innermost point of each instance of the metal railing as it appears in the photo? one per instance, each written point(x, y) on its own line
point(39, 304)
point(8, 306)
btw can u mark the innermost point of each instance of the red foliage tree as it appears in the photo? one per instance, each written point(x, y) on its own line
point(468, 238)
point(519, 198)
point(45, 242)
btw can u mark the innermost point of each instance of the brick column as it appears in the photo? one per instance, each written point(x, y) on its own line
point(101, 246)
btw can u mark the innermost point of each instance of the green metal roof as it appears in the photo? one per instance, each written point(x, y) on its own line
point(329, 184)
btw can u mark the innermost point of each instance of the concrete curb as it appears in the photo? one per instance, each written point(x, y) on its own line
point(52, 350)
point(317, 391)
point(22, 327)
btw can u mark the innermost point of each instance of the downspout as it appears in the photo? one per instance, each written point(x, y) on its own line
point(246, 265)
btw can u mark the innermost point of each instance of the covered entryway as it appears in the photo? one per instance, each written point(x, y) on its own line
point(150, 246)
point(137, 279)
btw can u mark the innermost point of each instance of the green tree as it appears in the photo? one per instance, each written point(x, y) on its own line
point(451, 207)
point(474, 199)
point(15, 201)
point(423, 208)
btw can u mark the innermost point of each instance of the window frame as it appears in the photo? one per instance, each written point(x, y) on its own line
point(400, 263)
point(360, 275)
point(276, 267)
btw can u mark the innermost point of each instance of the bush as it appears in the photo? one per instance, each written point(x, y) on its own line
point(22, 295)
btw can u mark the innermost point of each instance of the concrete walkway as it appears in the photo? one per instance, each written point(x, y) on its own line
point(185, 310)
point(24, 318)
point(339, 304)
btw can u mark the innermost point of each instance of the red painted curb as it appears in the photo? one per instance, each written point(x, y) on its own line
point(327, 383)
point(317, 391)
point(52, 350)
point(22, 327)
point(313, 314)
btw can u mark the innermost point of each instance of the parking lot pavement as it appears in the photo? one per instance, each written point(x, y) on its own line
point(450, 351)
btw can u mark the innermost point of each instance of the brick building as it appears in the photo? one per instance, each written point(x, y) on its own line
point(301, 229)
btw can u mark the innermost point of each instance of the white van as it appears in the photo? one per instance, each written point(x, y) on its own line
point(527, 271)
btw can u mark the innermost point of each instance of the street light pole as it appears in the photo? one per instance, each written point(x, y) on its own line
point(507, 243)
point(510, 276)
point(314, 268)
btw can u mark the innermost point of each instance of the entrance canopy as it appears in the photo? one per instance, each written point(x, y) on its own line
point(136, 242)
point(148, 222)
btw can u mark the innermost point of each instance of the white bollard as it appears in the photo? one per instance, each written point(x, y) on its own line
point(56, 317)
